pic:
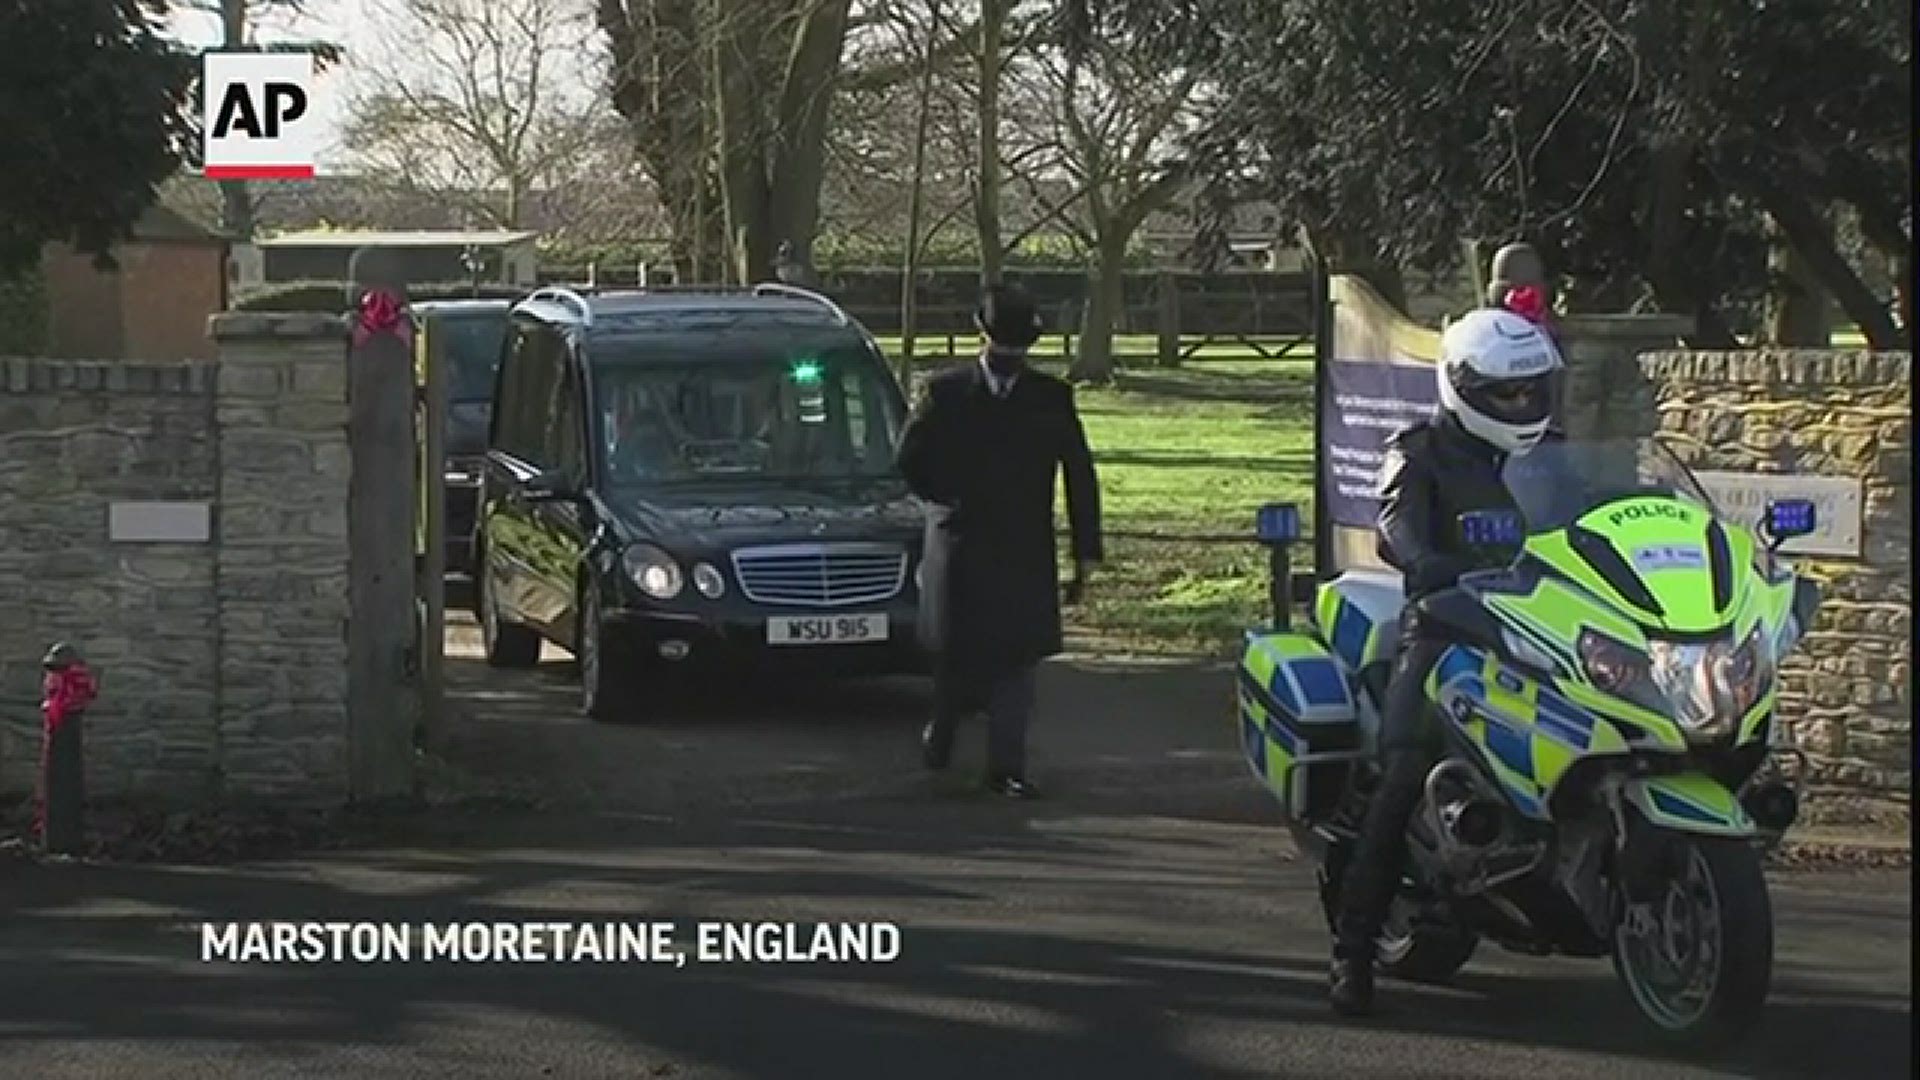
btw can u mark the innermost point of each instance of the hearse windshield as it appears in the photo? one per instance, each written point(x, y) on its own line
point(828, 416)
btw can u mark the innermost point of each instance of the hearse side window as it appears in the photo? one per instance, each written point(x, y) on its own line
point(565, 443)
point(531, 379)
point(507, 395)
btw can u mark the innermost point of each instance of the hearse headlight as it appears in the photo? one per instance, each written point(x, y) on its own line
point(708, 579)
point(653, 571)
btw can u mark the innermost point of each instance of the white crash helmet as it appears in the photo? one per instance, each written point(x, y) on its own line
point(1499, 375)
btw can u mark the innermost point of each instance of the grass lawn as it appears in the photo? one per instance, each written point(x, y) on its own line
point(1191, 452)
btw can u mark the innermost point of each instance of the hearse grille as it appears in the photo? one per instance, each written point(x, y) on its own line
point(821, 575)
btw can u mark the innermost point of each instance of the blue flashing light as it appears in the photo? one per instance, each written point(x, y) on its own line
point(1789, 518)
point(1492, 528)
point(1277, 523)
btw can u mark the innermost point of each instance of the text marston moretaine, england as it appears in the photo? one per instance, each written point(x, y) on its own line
point(548, 942)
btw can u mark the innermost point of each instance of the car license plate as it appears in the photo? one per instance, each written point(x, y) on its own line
point(826, 629)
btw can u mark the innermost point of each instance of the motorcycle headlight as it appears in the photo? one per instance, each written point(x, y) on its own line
point(1617, 668)
point(1710, 686)
point(653, 571)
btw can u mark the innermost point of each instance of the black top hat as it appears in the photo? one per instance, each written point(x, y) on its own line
point(1007, 316)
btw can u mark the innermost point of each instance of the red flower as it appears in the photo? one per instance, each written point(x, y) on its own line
point(1529, 302)
point(380, 313)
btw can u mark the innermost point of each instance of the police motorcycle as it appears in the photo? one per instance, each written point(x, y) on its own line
point(1613, 770)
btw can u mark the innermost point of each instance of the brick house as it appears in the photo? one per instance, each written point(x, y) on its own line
point(172, 276)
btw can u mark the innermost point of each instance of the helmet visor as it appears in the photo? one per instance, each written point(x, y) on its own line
point(1514, 401)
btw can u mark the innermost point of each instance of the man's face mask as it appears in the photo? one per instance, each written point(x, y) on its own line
point(1004, 361)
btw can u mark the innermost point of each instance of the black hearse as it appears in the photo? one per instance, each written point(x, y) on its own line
point(464, 337)
point(680, 479)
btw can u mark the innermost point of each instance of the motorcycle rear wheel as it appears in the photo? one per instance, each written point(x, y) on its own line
point(1698, 962)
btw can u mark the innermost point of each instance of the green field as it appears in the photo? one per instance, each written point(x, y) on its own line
point(1190, 453)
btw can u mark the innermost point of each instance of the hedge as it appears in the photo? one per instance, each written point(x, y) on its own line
point(331, 296)
point(23, 314)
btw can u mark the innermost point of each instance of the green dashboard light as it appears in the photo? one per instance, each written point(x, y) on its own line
point(806, 371)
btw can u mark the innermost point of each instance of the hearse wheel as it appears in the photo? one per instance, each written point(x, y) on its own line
point(606, 689)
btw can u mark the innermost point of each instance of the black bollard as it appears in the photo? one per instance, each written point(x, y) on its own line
point(69, 689)
point(1280, 586)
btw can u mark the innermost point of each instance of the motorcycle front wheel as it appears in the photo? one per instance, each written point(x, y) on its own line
point(1698, 959)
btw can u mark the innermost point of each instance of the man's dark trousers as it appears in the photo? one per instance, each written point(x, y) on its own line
point(1006, 697)
point(1407, 752)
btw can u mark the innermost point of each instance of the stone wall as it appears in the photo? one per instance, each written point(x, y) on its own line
point(1848, 696)
point(222, 663)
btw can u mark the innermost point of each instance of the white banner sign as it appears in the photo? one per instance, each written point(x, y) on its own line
point(1836, 506)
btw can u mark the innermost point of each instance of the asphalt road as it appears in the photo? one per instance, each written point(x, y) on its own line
point(1146, 920)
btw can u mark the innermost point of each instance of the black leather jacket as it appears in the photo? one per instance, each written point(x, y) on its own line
point(1434, 472)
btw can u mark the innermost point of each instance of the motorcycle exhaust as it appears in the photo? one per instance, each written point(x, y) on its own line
point(1773, 806)
point(1473, 823)
point(1470, 820)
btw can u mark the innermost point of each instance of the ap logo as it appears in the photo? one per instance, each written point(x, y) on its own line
point(258, 113)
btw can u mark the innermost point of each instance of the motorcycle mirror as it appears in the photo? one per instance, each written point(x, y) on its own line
point(1492, 528)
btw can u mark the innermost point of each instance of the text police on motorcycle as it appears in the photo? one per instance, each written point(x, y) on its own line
point(1498, 376)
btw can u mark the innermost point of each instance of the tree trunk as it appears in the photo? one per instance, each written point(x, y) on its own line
point(1812, 239)
point(799, 158)
point(910, 264)
point(1675, 285)
point(236, 203)
point(1106, 302)
point(516, 202)
point(1797, 311)
point(986, 209)
point(236, 210)
point(772, 132)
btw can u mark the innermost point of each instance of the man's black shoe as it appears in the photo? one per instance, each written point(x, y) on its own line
point(1012, 787)
point(934, 752)
point(1350, 988)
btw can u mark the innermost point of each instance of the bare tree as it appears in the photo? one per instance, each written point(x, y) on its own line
point(993, 25)
point(728, 104)
point(1106, 138)
point(483, 102)
point(910, 265)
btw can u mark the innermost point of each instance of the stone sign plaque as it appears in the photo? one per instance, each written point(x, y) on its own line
point(1836, 501)
point(160, 522)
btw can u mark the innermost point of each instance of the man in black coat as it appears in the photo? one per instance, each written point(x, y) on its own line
point(981, 451)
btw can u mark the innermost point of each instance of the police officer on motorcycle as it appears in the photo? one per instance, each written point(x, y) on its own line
point(1498, 376)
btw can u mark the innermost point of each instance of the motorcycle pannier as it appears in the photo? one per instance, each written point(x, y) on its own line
point(1298, 725)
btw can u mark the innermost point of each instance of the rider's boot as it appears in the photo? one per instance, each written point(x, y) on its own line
point(1350, 983)
point(1371, 879)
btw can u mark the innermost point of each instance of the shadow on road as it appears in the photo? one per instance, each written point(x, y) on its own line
point(966, 995)
point(1142, 921)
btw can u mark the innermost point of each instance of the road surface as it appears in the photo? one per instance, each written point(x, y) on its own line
point(1146, 920)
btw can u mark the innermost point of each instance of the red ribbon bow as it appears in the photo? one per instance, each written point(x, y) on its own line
point(380, 313)
point(1529, 302)
point(68, 691)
